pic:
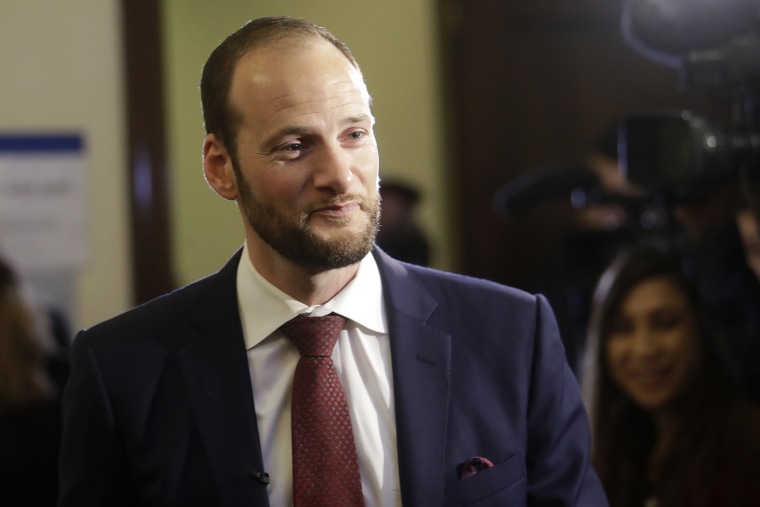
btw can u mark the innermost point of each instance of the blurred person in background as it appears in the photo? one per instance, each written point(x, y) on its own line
point(719, 246)
point(400, 234)
point(593, 212)
point(748, 221)
point(670, 427)
point(32, 373)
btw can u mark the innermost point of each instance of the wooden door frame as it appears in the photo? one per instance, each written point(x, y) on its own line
point(146, 148)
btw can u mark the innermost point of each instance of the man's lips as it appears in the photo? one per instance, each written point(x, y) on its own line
point(337, 210)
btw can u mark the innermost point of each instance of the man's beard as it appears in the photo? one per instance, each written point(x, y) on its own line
point(291, 235)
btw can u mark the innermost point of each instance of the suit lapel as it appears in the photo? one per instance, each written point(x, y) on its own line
point(215, 369)
point(421, 358)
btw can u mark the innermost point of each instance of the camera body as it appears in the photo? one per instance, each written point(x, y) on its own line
point(682, 155)
point(715, 45)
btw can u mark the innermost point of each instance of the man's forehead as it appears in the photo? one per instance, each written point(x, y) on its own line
point(277, 78)
point(282, 51)
point(292, 59)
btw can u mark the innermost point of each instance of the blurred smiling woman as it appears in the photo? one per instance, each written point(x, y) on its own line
point(670, 428)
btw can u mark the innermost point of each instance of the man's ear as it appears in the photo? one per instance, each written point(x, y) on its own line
point(217, 167)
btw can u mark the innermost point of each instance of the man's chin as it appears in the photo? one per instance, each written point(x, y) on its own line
point(329, 257)
point(339, 235)
point(340, 250)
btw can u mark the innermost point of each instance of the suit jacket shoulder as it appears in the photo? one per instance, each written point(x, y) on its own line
point(159, 407)
point(202, 303)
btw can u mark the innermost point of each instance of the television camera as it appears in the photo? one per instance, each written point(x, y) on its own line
point(715, 46)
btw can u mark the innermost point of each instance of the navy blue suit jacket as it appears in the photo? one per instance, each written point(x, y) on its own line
point(159, 408)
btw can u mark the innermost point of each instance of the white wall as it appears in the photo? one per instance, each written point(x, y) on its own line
point(61, 70)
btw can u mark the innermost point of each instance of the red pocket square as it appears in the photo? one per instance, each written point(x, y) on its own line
point(473, 466)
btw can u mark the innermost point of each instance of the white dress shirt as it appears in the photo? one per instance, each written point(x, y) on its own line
point(362, 360)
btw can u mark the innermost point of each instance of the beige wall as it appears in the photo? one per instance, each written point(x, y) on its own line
point(394, 43)
point(61, 70)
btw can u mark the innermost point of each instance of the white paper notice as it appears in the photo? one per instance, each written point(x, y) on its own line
point(42, 201)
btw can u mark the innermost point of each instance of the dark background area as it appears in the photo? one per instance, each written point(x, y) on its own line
point(531, 84)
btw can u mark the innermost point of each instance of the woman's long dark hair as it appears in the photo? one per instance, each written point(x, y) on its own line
point(24, 347)
point(624, 434)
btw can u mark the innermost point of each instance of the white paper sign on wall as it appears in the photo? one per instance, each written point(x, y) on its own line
point(43, 205)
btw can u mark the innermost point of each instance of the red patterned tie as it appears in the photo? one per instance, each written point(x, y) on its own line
point(325, 466)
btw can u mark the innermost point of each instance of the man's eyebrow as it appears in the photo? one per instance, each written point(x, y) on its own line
point(291, 130)
point(358, 119)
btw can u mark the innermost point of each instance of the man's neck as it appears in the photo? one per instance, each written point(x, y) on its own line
point(307, 285)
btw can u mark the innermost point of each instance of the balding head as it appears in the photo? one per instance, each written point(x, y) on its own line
point(219, 117)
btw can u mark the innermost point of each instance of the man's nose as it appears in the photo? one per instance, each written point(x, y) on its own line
point(333, 168)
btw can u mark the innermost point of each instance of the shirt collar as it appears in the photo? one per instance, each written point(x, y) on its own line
point(264, 307)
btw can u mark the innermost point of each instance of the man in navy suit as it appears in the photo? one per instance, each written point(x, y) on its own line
point(458, 389)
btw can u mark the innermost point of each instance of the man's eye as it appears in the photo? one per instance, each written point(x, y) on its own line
point(358, 134)
point(292, 147)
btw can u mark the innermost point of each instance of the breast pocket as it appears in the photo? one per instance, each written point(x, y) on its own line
point(484, 488)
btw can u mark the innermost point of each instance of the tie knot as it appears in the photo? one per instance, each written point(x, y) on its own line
point(314, 336)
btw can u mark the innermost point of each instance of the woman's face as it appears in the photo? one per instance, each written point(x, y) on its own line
point(653, 348)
